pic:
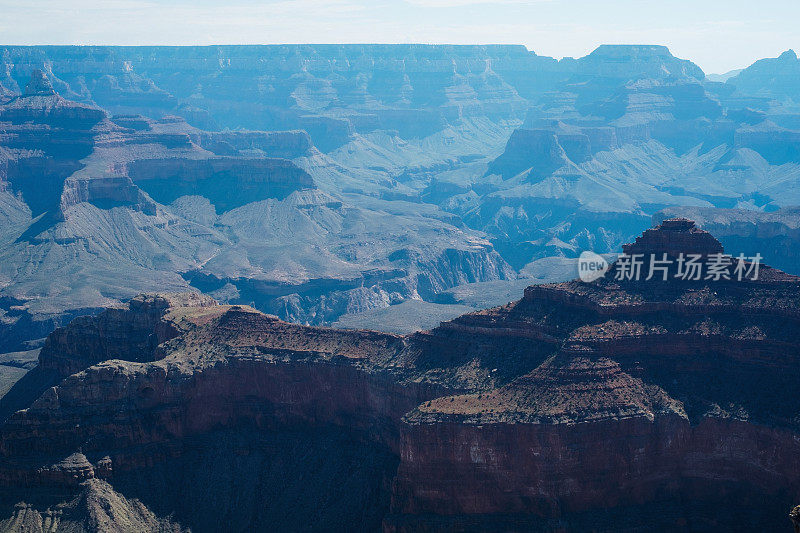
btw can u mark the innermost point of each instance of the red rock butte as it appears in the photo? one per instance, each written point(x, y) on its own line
point(673, 237)
point(583, 405)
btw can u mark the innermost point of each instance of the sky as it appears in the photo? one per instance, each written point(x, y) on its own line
point(718, 35)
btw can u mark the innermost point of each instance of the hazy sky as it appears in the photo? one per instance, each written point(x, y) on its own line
point(719, 35)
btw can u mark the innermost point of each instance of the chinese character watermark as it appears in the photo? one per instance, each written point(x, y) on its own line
point(692, 267)
point(662, 267)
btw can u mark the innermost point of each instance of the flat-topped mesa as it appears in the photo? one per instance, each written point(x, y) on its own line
point(674, 236)
point(130, 332)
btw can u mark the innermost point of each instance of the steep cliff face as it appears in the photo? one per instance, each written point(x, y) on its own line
point(46, 136)
point(331, 91)
point(129, 203)
point(131, 333)
point(562, 410)
point(557, 477)
point(227, 182)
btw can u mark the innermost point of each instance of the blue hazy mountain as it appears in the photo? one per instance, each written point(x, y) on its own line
point(328, 182)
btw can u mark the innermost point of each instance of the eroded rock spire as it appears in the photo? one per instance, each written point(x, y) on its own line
point(39, 85)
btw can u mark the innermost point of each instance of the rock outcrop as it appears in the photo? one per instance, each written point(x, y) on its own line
point(538, 152)
point(673, 237)
point(774, 235)
point(96, 507)
point(40, 102)
point(39, 85)
point(131, 333)
point(562, 410)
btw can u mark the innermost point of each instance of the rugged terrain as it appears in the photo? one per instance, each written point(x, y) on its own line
point(325, 182)
point(97, 208)
point(360, 182)
point(393, 188)
point(617, 405)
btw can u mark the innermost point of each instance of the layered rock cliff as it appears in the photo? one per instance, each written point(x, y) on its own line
point(128, 203)
point(582, 405)
point(632, 131)
point(331, 91)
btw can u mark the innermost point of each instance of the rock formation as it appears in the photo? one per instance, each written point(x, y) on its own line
point(776, 77)
point(673, 237)
point(635, 130)
point(128, 203)
point(39, 85)
point(773, 235)
point(582, 405)
point(401, 172)
point(539, 152)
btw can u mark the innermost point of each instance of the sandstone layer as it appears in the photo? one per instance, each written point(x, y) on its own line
point(582, 405)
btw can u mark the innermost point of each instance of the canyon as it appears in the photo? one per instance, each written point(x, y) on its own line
point(362, 184)
point(127, 203)
point(267, 287)
point(616, 405)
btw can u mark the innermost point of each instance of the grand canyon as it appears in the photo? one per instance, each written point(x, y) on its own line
point(333, 288)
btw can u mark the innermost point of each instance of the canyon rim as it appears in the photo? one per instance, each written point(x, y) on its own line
point(399, 287)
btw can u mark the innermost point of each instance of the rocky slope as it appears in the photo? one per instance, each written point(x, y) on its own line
point(97, 507)
point(771, 79)
point(96, 208)
point(401, 172)
point(582, 405)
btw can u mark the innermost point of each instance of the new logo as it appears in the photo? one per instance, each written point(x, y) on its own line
point(591, 266)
